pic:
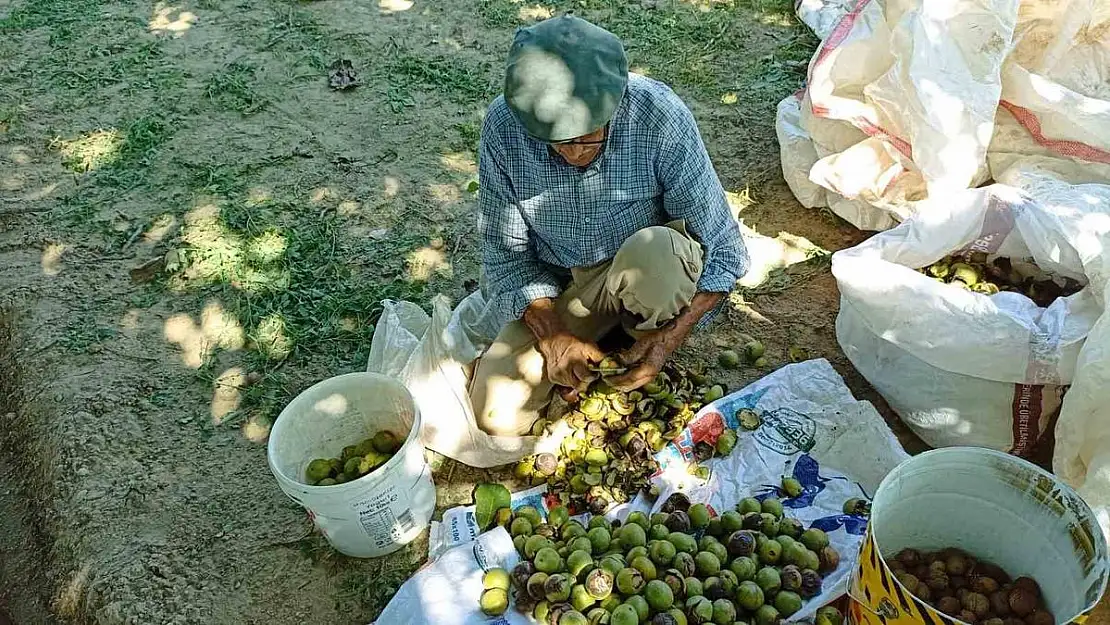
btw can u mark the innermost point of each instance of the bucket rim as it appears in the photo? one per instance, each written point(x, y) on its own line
point(1084, 513)
point(355, 484)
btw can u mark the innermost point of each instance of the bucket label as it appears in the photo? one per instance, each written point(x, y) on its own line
point(380, 519)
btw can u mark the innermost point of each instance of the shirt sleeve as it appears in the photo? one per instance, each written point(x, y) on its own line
point(692, 192)
point(515, 276)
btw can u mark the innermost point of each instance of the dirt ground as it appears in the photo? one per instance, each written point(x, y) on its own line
point(193, 228)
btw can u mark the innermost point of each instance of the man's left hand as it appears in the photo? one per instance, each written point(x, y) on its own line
point(654, 348)
point(648, 355)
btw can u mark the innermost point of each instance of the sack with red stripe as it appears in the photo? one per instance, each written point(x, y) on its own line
point(907, 100)
point(967, 368)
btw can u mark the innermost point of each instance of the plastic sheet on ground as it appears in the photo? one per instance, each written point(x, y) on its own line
point(908, 99)
point(811, 428)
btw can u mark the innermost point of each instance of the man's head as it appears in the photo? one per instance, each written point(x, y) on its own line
point(564, 80)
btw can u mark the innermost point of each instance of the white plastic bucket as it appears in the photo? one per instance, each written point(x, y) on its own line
point(379, 512)
point(992, 505)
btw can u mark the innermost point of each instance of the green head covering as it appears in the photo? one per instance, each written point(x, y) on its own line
point(565, 77)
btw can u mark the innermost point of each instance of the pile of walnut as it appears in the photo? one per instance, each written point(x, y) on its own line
point(972, 591)
point(973, 272)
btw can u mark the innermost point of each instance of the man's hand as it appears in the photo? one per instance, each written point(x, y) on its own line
point(567, 360)
point(651, 352)
point(566, 357)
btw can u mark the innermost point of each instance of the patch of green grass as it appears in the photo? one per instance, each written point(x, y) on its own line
point(498, 13)
point(80, 334)
point(234, 88)
point(66, 19)
point(454, 77)
point(469, 134)
point(298, 293)
point(295, 33)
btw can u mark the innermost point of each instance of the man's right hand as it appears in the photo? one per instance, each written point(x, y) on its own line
point(566, 357)
point(567, 360)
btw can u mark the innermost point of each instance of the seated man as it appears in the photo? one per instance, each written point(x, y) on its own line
point(598, 206)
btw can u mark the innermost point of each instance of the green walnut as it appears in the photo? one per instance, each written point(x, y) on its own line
point(317, 470)
point(744, 568)
point(684, 563)
point(534, 544)
point(767, 615)
point(794, 553)
point(828, 615)
point(707, 564)
point(581, 543)
point(613, 563)
point(770, 552)
point(580, 598)
point(598, 616)
point(768, 579)
point(699, 515)
point(658, 595)
point(714, 393)
point(600, 539)
point(814, 539)
point(520, 527)
point(577, 561)
point(749, 505)
point(386, 442)
point(662, 552)
point(496, 578)
point(630, 581)
point(624, 614)
point(693, 587)
point(772, 506)
point(632, 535)
point(787, 602)
point(557, 588)
point(684, 543)
point(638, 518)
point(768, 524)
point(559, 514)
point(658, 531)
point(724, 612)
point(636, 552)
point(494, 601)
point(645, 566)
point(792, 487)
point(547, 560)
point(749, 596)
point(536, 586)
point(728, 359)
point(573, 617)
point(753, 351)
point(718, 550)
point(699, 610)
point(640, 605)
point(327, 481)
point(726, 442)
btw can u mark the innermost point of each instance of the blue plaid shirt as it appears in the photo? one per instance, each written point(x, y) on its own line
point(539, 217)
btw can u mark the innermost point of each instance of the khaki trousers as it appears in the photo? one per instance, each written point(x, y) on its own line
point(652, 277)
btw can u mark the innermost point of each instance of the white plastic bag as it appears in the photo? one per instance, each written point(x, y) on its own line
point(962, 368)
point(908, 99)
point(446, 591)
point(430, 355)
